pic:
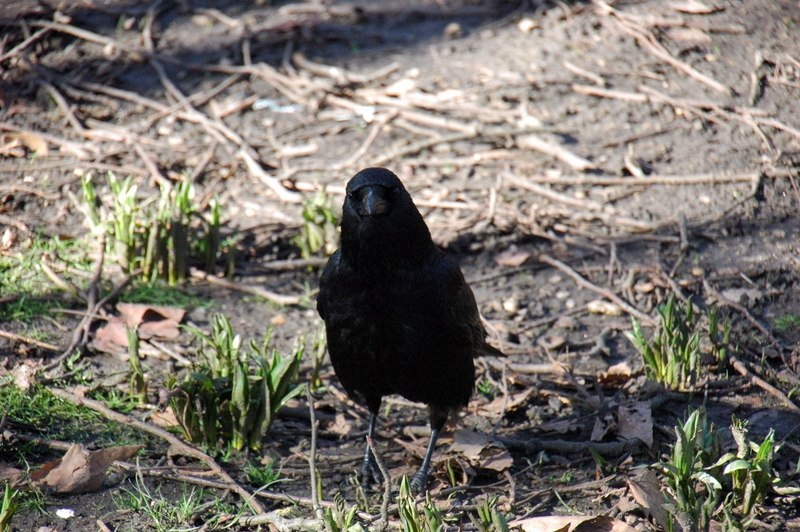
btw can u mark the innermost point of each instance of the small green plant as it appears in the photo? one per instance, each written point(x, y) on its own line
point(693, 461)
point(232, 392)
point(489, 519)
point(318, 347)
point(751, 471)
point(263, 475)
point(340, 518)
point(319, 231)
point(8, 507)
point(787, 322)
point(672, 357)
point(486, 388)
point(412, 519)
point(160, 234)
point(167, 513)
point(698, 476)
point(24, 279)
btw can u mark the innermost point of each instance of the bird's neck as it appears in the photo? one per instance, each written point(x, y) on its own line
point(384, 251)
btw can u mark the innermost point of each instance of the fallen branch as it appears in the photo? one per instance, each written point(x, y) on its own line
point(273, 183)
point(260, 292)
point(26, 340)
point(182, 447)
point(535, 142)
point(608, 294)
point(533, 446)
point(739, 366)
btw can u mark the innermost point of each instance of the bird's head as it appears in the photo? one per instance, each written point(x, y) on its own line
point(380, 217)
point(374, 192)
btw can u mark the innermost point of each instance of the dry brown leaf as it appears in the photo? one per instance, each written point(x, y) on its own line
point(34, 142)
point(480, 450)
point(10, 473)
point(557, 523)
point(602, 427)
point(617, 374)
point(12, 148)
point(164, 419)
point(512, 257)
point(693, 7)
point(635, 420)
point(498, 406)
point(646, 491)
point(79, 470)
point(112, 337)
point(152, 320)
point(339, 425)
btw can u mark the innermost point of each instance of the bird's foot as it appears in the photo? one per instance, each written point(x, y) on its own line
point(420, 481)
point(370, 471)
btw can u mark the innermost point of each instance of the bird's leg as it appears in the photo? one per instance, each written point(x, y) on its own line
point(420, 480)
point(370, 466)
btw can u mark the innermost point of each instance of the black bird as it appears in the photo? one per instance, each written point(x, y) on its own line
point(399, 316)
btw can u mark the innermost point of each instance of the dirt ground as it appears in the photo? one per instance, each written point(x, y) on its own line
point(646, 147)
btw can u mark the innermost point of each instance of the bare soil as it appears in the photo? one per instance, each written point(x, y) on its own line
point(686, 183)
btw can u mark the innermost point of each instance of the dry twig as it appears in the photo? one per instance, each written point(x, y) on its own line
point(180, 447)
point(608, 294)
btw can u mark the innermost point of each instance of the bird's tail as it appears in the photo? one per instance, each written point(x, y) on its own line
point(489, 351)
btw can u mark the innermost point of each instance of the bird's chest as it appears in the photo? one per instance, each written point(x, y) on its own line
point(381, 315)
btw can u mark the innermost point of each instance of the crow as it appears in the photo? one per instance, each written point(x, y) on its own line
point(399, 316)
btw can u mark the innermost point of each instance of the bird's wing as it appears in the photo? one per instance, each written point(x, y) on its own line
point(324, 282)
point(459, 298)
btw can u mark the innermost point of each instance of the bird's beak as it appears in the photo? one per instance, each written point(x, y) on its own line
point(374, 202)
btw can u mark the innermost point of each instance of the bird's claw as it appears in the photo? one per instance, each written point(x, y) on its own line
point(370, 472)
point(419, 482)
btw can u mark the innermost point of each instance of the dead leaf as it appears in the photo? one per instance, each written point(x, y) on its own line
point(79, 470)
point(646, 491)
point(112, 337)
point(693, 7)
point(636, 421)
point(480, 450)
point(602, 427)
point(339, 425)
point(557, 523)
point(617, 374)
point(152, 320)
point(12, 148)
point(164, 419)
point(499, 405)
point(7, 472)
point(512, 257)
point(34, 142)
